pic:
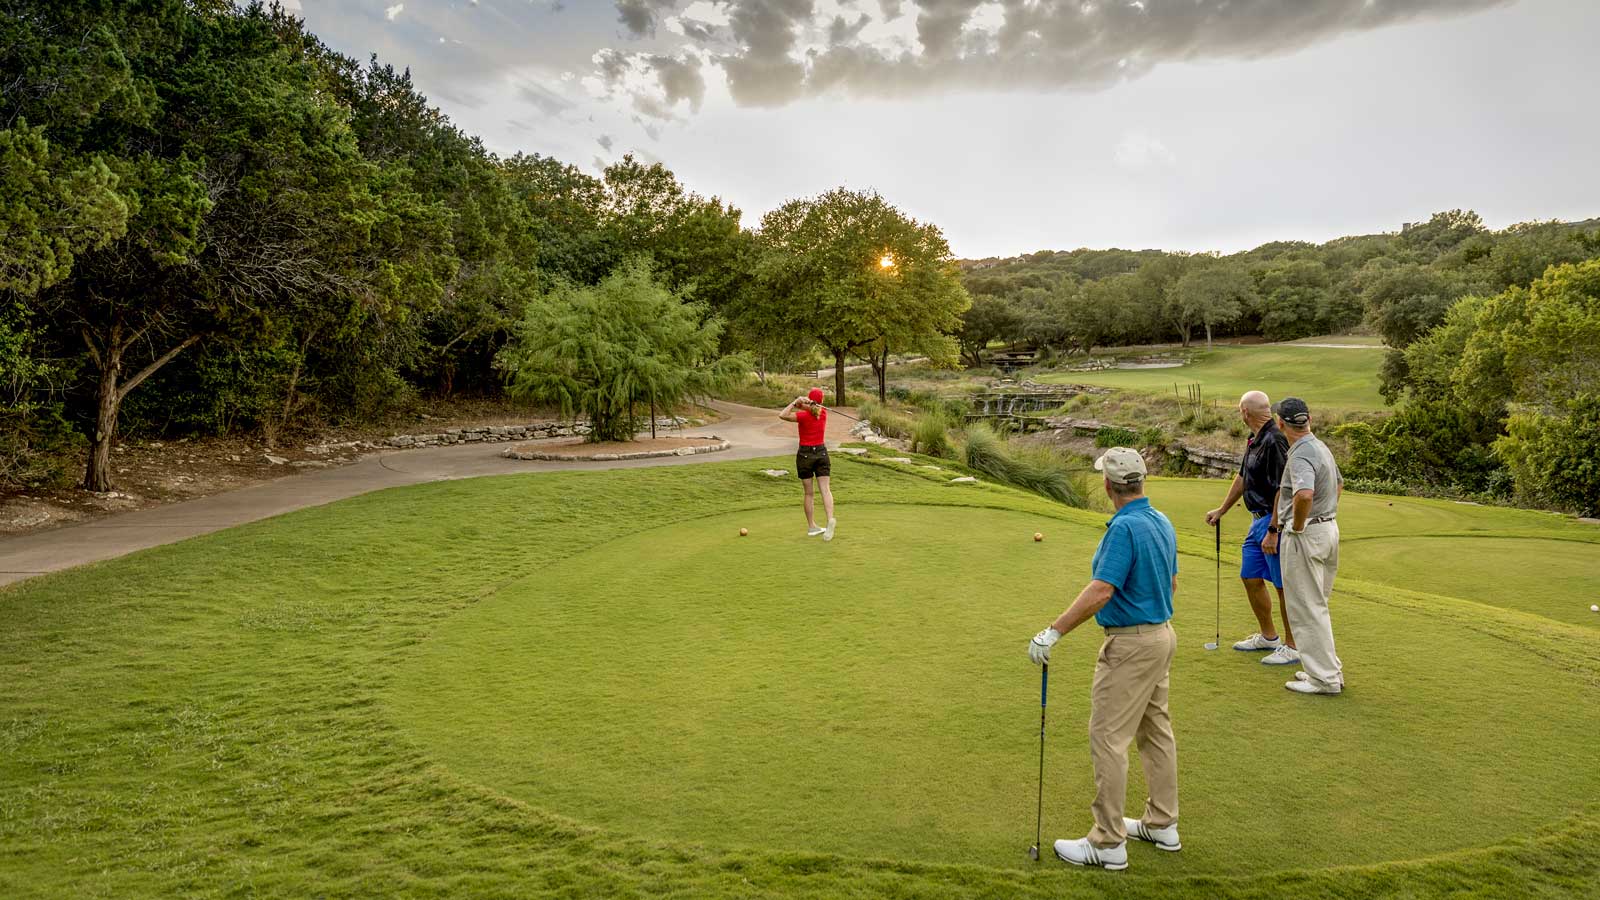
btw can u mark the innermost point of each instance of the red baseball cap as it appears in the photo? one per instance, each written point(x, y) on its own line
point(816, 395)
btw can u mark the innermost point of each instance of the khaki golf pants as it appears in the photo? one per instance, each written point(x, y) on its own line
point(1129, 702)
point(1310, 560)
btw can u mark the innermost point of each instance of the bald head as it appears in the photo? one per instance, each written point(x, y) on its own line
point(1256, 408)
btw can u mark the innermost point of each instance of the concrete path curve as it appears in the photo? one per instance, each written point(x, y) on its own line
point(752, 431)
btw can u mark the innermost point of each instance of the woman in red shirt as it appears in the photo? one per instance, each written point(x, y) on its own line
point(811, 462)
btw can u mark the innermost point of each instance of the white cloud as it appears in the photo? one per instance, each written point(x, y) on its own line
point(1141, 151)
point(291, 6)
point(394, 11)
point(706, 13)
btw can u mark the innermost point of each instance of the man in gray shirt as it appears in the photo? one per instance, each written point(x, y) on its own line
point(1305, 534)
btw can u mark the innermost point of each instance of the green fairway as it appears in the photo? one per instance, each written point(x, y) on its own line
point(1329, 378)
point(588, 685)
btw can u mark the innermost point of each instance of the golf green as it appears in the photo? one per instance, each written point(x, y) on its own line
point(589, 685)
point(871, 697)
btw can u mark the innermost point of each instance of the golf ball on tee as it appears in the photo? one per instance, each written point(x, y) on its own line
point(743, 532)
point(1037, 536)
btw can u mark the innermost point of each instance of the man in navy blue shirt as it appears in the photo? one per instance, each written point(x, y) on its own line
point(1130, 596)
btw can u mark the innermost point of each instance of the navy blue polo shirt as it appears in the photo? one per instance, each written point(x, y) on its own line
point(1138, 557)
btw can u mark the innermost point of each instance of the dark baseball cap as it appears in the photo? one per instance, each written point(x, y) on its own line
point(1293, 410)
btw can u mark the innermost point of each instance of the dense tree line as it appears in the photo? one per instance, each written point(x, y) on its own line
point(1400, 284)
point(210, 222)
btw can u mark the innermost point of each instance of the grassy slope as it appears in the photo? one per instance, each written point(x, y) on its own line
point(1345, 380)
point(219, 717)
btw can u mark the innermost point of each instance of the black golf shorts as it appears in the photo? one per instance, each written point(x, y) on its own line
point(812, 461)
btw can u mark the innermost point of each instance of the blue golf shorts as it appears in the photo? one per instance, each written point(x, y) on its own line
point(1257, 564)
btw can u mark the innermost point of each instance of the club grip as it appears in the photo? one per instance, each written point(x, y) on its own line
point(1044, 683)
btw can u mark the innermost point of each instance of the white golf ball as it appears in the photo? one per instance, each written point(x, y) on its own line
point(1593, 608)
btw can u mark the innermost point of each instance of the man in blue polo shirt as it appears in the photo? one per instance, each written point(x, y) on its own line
point(1130, 596)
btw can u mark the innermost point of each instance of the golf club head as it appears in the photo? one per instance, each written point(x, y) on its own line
point(1033, 853)
point(1211, 645)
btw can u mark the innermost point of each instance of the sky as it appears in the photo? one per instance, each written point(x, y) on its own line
point(1022, 125)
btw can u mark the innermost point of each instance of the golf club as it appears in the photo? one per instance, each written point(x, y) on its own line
point(845, 414)
point(1212, 645)
point(1038, 822)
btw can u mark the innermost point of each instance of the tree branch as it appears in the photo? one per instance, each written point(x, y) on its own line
point(149, 370)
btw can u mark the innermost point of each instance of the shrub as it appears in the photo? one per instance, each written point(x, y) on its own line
point(1041, 470)
point(931, 436)
point(888, 422)
point(1114, 436)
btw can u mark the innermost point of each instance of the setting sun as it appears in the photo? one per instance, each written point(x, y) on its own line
point(886, 262)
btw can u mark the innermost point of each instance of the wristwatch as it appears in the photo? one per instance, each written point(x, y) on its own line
point(1275, 529)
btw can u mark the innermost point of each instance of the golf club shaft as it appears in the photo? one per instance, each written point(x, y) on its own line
point(1219, 582)
point(1044, 688)
point(845, 414)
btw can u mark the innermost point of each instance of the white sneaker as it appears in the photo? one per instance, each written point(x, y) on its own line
point(1082, 853)
point(813, 531)
point(1307, 686)
point(1257, 642)
point(1285, 655)
point(1164, 838)
point(827, 533)
point(1301, 676)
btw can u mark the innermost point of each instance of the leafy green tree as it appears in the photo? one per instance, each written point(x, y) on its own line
point(1292, 295)
point(564, 209)
point(989, 318)
point(1214, 295)
point(608, 350)
point(51, 209)
point(1553, 456)
point(862, 277)
point(245, 187)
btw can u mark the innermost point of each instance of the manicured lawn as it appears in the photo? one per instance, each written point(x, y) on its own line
point(1517, 559)
point(1334, 379)
point(587, 685)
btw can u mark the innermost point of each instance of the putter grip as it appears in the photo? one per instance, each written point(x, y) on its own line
point(1044, 684)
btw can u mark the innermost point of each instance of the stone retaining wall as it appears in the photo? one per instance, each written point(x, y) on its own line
point(486, 434)
point(514, 453)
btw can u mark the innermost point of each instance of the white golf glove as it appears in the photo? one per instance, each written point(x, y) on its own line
point(1039, 647)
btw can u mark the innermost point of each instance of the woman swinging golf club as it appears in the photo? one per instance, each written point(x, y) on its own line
point(811, 462)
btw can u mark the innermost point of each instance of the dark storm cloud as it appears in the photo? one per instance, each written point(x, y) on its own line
point(680, 79)
point(640, 16)
point(1038, 44)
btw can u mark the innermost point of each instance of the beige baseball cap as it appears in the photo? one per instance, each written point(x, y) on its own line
point(1122, 465)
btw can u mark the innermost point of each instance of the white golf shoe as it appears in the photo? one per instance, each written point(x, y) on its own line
point(1285, 655)
point(827, 533)
point(1164, 838)
point(813, 531)
point(1082, 853)
point(1304, 685)
point(1257, 642)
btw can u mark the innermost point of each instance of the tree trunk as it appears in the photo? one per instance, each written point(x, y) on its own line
point(880, 368)
point(1185, 332)
point(838, 377)
point(652, 417)
point(97, 477)
point(1208, 335)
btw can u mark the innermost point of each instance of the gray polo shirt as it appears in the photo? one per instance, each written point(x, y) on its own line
point(1311, 466)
